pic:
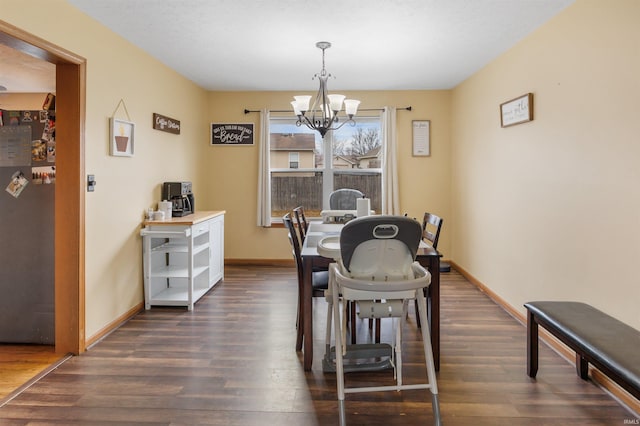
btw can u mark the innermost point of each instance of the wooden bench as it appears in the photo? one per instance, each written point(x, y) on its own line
point(597, 338)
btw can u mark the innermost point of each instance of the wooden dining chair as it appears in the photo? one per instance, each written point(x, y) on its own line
point(320, 279)
point(431, 227)
point(301, 220)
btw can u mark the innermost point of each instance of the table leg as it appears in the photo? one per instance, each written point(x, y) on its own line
point(432, 263)
point(532, 345)
point(307, 313)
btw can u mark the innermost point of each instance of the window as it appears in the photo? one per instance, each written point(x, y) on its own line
point(303, 174)
point(294, 159)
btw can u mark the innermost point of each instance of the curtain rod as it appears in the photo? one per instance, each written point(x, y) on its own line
point(247, 111)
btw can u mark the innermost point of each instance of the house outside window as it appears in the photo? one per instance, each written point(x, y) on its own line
point(301, 176)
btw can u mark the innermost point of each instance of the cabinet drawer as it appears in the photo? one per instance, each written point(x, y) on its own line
point(200, 228)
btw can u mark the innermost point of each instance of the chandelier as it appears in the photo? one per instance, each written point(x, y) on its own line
point(323, 114)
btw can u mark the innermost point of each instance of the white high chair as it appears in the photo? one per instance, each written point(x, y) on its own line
point(359, 357)
point(377, 269)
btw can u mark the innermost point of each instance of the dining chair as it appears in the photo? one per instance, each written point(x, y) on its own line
point(377, 269)
point(320, 279)
point(301, 220)
point(344, 199)
point(303, 228)
point(431, 227)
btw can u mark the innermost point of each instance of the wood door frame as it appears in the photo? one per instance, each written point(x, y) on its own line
point(69, 305)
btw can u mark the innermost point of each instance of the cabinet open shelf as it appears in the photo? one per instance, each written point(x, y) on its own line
point(178, 296)
point(176, 271)
point(179, 247)
point(182, 261)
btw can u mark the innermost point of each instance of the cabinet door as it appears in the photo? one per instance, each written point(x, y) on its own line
point(216, 234)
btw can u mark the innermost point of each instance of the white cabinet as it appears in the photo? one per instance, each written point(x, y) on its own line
point(216, 249)
point(183, 258)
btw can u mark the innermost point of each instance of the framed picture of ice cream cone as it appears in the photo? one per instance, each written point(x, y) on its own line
point(122, 138)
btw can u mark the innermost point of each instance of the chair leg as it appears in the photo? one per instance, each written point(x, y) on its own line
point(376, 322)
point(343, 325)
point(299, 328)
point(428, 354)
point(342, 414)
point(329, 324)
point(435, 403)
point(339, 331)
point(352, 318)
point(398, 352)
point(428, 308)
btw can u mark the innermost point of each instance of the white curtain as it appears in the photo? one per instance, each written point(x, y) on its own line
point(390, 203)
point(264, 177)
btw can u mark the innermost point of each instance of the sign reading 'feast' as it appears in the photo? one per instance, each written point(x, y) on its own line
point(166, 124)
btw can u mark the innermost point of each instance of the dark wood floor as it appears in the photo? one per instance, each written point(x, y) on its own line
point(232, 362)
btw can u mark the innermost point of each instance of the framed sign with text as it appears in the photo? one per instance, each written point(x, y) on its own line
point(166, 124)
point(232, 134)
point(516, 111)
point(421, 138)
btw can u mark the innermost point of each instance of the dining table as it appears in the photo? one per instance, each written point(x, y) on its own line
point(426, 255)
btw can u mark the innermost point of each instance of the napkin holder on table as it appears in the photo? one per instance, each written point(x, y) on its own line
point(363, 207)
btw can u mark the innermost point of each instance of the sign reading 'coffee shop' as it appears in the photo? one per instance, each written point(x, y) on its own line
point(232, 134)
point(166, 124)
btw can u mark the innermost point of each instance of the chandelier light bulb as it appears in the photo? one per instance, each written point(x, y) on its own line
point(351, 107)
point(303, 103)
point(296, 110)
point(335, 101)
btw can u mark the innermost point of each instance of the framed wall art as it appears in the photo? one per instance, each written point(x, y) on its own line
point(231, 134)
point(517, 111)
point(121, 142)
point(421, 138)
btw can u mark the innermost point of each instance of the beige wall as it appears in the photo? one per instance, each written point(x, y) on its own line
point(230, 173)
point(549, 210)
point(126, 187)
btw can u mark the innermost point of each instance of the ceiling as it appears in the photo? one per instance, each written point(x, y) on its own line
point(23, 73)
point(261, 45)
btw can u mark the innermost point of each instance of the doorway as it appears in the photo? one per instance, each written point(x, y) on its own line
point(69, 303)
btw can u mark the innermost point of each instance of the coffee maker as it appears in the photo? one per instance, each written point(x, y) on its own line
point(181, 197)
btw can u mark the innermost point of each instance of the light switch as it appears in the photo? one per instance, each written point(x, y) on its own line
point(91, 183)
